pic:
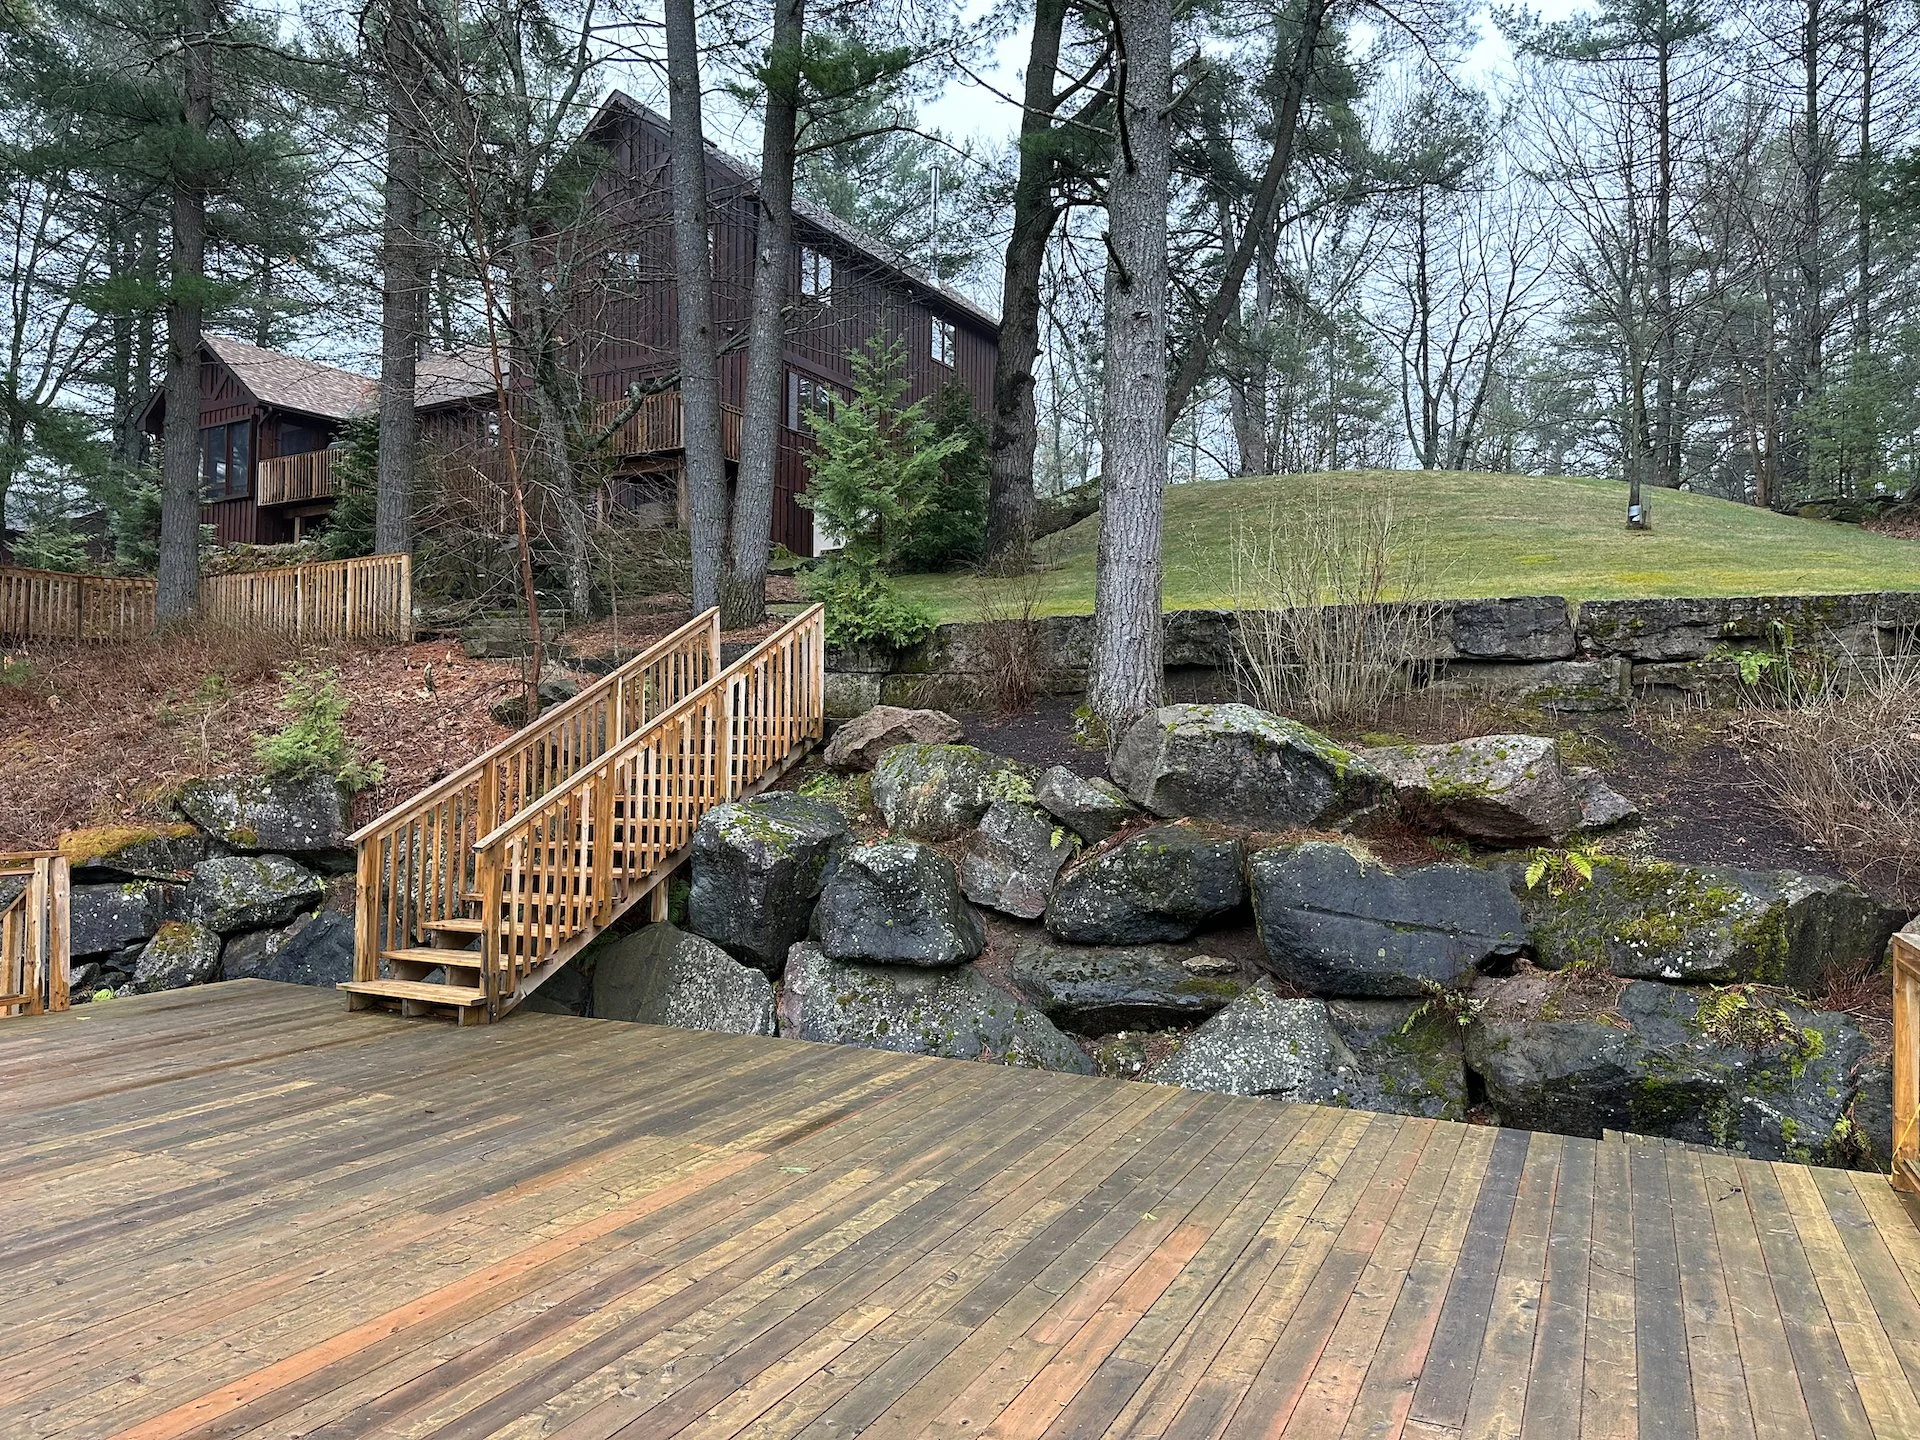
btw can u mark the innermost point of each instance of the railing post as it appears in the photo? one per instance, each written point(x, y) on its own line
point(33, 964)
point(723, 744)
point(59, 932)
point(486, 883)
point(366, 911)
point(1906, 1062)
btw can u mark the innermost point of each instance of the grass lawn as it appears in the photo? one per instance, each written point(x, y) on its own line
point(1489, 535)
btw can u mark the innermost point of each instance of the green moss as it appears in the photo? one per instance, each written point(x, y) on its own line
point(96, 842)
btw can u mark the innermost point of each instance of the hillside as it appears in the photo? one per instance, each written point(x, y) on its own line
point(1490, 535)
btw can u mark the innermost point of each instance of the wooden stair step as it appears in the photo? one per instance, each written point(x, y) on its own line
point(426, 955)
point(457, 925)
point(459, 996)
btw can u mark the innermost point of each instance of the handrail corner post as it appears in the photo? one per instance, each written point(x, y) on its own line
point(1906, 1062)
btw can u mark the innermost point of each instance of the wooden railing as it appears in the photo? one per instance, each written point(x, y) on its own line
point(555, 875)
point(286, 479)
point(53, 605)
point(658, 427)
point(36, 908)
point(418, 863)
point(366, 599)
point(1906, 1062)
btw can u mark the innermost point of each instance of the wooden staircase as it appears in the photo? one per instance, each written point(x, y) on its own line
point(474, 892)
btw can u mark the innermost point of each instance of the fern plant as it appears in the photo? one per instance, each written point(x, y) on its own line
point(1563, 870)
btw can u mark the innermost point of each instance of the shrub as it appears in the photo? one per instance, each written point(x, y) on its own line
point(1844, 762)
point(51, 545)
point(315, 741)
point(864, 607)
point(1005, 600)
point(1335, 606)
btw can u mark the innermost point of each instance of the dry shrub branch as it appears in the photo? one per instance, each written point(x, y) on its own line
point(1004, 602)
point(1845, 763)
point(1335, 603)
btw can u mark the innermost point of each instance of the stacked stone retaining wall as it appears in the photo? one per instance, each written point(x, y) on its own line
point(1541, 649)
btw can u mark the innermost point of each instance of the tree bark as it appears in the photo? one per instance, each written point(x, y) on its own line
point(403, 293)
point(743, 599)
point(1015, 434)
point(1226, 300)
point(1666, 429)
point(1127, 639)
point(693, 292)
point(178, 587)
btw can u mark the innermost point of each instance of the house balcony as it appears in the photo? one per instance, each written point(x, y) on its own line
point(658, 427)
point(292, 479)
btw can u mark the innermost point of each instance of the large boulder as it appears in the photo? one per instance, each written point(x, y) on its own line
point(105, 918)
point(1012, 860)
point(1661, 920)
point(1162, 884)
point(165, 853)
point(1335, 922)
point(249, 892)
point(939, 792)
point(568, 991)
point(1508, 789)
point(664, 976)
point(897, 902)
point(1740, 1068)
point(859, 743)
point(254, 815)
point(757, 870)
point(1408, 1057)
point(1096, 991)
point(316, 950)
point(1092, 809)
point(1262, 1045)
point(1241, 766)
point(180, 953)
point(957, 1013)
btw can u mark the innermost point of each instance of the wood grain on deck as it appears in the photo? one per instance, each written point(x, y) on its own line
point(237, 1210)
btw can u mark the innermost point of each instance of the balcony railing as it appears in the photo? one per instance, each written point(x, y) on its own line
point(293, 478)
point(658, 428)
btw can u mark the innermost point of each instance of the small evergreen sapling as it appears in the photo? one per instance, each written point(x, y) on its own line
point(315, 741)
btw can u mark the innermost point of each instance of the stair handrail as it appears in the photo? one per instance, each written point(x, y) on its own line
point(415, 862)
point(1906, 1061)
point(714, 745)
point(36, 945)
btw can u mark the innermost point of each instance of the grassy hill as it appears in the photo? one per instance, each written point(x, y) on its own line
point(1488, 535)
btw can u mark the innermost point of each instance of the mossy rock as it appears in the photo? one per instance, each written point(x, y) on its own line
point(757, 870)
point(939, 792)
point(1160, 885)
point(1240, 766)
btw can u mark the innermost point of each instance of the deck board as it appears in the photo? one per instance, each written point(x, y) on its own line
point(240, 1211)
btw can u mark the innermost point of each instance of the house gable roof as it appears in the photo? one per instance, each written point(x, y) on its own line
point(818, 216)
point(288, 382)
point(448, 379)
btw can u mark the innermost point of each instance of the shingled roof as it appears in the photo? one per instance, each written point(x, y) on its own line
point(288, 382)
point(442, 379)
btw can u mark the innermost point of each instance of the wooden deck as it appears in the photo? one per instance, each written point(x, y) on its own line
point(237, 1211)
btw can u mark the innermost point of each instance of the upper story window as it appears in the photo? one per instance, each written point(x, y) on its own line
point(943, 341)
point(816, 274)
point(226, 461)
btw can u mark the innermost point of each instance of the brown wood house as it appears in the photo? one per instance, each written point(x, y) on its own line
point(269, 423)
point(846, 290)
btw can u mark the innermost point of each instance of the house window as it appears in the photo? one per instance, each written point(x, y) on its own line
point(942, 336)
point(226, 462)
point(816, 274)
point(807, 396)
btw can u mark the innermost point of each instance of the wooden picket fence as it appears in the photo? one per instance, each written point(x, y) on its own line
point(52, 605)
point(366, 599)
point(36, 929)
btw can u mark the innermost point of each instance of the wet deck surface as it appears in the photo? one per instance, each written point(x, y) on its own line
point(238, 1210)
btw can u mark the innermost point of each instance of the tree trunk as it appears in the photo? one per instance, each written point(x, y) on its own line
point(1863, 205)
point(1226, 300)
point(743, 599)
point(693, 292)
point(1127, 639)
point(179, 569)
point(1666, 429)
point(403, 294)
point(1015, 433)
